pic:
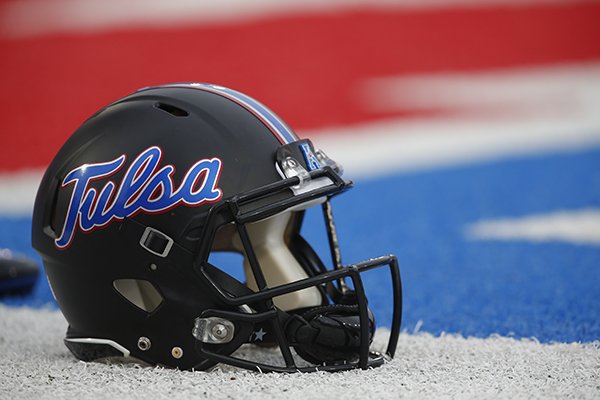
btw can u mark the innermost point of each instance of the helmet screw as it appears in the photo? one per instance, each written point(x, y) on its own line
point(144, 343)
point(153, 267)
point(219, 331)
point(176, 352)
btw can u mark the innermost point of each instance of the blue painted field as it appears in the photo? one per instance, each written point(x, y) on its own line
point(550, 290)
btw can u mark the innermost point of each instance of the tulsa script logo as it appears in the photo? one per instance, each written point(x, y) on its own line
point(145, 187)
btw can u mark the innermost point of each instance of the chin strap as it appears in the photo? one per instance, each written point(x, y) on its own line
point(328, 333)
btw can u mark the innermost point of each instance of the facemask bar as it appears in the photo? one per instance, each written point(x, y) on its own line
point(235, 205)
point(263, 299)
point(353, 272)
point(334, 247)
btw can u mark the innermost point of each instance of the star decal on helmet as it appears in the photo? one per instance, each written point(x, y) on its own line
point(258, 335)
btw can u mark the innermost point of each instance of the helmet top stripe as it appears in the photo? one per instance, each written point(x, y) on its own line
point(279, 129)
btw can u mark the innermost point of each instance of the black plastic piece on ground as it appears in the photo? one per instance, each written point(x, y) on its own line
point(18, 274)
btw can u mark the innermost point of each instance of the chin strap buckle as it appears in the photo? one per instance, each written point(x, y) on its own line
point(156, 242)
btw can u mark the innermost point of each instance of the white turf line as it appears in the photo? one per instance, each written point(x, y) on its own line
point(502, 113)
point(573, 226)
point(26, 18)
point(35, 364)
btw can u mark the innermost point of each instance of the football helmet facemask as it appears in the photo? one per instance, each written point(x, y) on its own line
point(139, 197)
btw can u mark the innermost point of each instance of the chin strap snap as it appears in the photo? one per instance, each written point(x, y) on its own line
point(327, 334)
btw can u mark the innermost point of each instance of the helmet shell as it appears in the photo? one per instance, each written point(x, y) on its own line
point(186, 124)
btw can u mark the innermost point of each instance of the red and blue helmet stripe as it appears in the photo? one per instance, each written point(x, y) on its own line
point(279, 128)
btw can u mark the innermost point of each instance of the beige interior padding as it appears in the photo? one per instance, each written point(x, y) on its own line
point(139, 292)
point(277, 262)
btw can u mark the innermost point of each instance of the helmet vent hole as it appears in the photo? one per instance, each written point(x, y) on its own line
point(140, 293)
point(171, 109)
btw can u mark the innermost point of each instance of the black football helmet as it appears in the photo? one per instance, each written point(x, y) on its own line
point(139, 197)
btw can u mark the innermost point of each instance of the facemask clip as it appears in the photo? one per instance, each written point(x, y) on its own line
point(291, 167)
point(213, 330)
point(325, 160)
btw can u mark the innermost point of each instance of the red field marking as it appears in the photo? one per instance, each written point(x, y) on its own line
point(306, 68)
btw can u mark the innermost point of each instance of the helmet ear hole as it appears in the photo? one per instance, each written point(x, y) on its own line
point(140, 293)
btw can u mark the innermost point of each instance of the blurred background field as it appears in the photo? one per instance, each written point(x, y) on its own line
point(471, 129)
